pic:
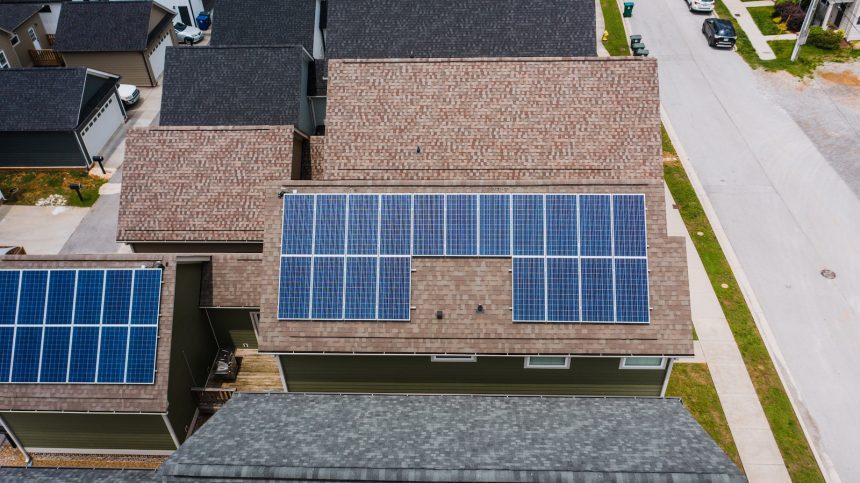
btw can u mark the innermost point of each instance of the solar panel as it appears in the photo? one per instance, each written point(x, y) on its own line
point(528, 225)
point(595, 226)
point(396, 226)
point(394, 287)
point(562, 289)
point(360, 288)
point(428, 225)
point(327, 299)
point(329, 227)
point(495, 225)
point(81, 333)
point(363, 225)
point(628, 212)
point(294, 301)
point(461, 224)
point(631, 289)
point(529, 289)
point(561, 226)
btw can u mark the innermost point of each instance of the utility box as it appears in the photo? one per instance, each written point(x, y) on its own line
point(628, 9)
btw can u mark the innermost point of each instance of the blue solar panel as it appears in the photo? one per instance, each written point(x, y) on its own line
point(117, 301)
point(394, 288)
point(327, 297)
point(360, 288)
point(25, 362)
point(631, 290)
point(363, 225)
point(9, 280)
point(85, 349)
point(6, 334)
point(295, 292)
point(462, 225)
point(528, 221)
point(31, 301)
point(597, 296)
point(529, 289)
point(298, 225)
point(147, 293)
point(88, 297)
point(595, 226)
point(562, 280)
point(495, 226)
point(61, 297)
point(428, 225)
point(55, 354)
point(628, 212)
point(330, 231)
point(142, 343)
point(396, 225)
point(561, 226)
point(112, 348)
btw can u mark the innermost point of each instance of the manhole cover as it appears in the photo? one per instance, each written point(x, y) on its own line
point(829, 274)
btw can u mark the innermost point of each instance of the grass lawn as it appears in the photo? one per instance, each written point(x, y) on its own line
point(783, 422)
point(763, 18)
point(693, 384)
point(617, 43)
point(809, 59)
point(37, 184)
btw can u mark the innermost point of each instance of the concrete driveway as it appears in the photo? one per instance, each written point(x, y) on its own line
point(41, 230)
point(787, 213)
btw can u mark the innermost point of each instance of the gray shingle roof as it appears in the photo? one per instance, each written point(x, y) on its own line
point(366, 29)
point(12, 16)
point(264, 22)
point(41, 99)
point(103, 26)
point(451, 438)
point(74, 475)
point(232, 86)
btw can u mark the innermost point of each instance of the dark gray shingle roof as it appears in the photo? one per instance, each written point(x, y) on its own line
point(367, 29)
point(74, 475)
point(103, 26)
point(232, 86)
point(12, 16)
point(264, 22)
point(451, 438)
point(41, 99)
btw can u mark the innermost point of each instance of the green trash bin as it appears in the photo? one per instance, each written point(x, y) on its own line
point(628, 9)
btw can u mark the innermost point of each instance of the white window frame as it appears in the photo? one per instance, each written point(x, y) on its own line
point(14, 40)
point(453, 358)
point(4, 61)
point(31, 32)
point(623, 364)
point(527, 363)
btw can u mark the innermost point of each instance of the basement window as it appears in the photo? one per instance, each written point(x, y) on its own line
point(547, 362)
point(446, 358)
point(643, 363)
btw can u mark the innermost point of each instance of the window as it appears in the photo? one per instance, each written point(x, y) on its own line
point(643, 363)
point(4, 63)
point(32, 33)
point(547, 362)
point(446, 358)
point(14, 39)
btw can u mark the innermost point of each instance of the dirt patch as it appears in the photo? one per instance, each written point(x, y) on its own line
point(10, 456)
point(845, 78)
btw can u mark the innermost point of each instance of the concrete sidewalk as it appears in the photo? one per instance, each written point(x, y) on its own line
point(757, 447)
point(759, 42)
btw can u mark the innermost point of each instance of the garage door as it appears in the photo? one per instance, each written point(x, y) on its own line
point(99, 130)
point(156, 58)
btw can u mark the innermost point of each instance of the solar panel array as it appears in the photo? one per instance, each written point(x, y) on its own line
point(79, 326)
point(576, 258)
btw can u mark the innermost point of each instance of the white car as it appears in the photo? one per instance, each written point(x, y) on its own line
point(129, 94)
point(701, 5)
point(187, 34)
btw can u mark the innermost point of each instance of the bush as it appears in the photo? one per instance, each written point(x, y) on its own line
point(824, 39)
point(791, 14)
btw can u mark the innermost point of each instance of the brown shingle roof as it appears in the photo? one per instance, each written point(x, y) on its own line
point(231, 281)
point(494, 119)
point(201, 183)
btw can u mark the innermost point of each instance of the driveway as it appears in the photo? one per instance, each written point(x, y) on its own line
point(787, 212)
point(41, 230)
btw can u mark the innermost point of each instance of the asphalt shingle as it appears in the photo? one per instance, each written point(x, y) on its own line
point(13, 15)
point(41, 99)
point(103, 26)
point(232, 86)
point(264, 23)
point(367, 29)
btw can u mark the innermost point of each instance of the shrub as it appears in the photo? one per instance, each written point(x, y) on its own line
point(794, 23)
point(791, 14)
point(824, 39)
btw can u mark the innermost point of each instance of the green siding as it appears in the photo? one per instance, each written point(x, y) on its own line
point(192, 349)
point(91, 431)
point(488, 375)
point(233, 327)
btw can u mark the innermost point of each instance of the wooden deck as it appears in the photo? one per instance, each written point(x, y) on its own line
point(257, 373)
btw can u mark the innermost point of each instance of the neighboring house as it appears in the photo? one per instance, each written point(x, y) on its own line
point(168, 170)
point(186, 10)
point(840, 14)
point(456, 238)
point(100, 354)
point(265, 23)
point(49, 11)
point(21, 31)
point(127, 38)
point(263, 86)
point(57, 117)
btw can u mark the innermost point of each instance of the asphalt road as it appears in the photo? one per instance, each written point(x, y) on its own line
point(786, 212)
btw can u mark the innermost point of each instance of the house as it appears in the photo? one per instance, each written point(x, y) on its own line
point(169, 168)
point(186, 10)
point(264, 86)
point(839, 14)
point(266, 23)
point(57, 117)
point(107, 354)
point(130, 41)
point(423, 254)
point(49, 11)
point(21, 31)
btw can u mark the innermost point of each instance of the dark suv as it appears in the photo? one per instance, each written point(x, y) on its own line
point(719, 32)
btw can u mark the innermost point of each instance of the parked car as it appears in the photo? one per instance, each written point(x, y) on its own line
point(187, 33)
point(719, 32)
point(129, 94)
point(700, 5)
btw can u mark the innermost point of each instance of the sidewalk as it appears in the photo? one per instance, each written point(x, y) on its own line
point(759, 42)
point(757, 447)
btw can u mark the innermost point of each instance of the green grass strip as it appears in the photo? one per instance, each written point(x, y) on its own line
point(616, 44)
point(763, 18)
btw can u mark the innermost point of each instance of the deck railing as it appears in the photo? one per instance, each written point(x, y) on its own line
point(46, 58)
point(210, 399)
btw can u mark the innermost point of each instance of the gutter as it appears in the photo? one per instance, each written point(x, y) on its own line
point(28, 461)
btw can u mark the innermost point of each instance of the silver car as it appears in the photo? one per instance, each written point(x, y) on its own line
point(187, 34)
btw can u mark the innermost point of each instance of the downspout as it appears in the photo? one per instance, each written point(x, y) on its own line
point(28, 461)
point(668, 375)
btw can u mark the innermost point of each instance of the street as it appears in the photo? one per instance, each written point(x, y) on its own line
point(787, 212)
